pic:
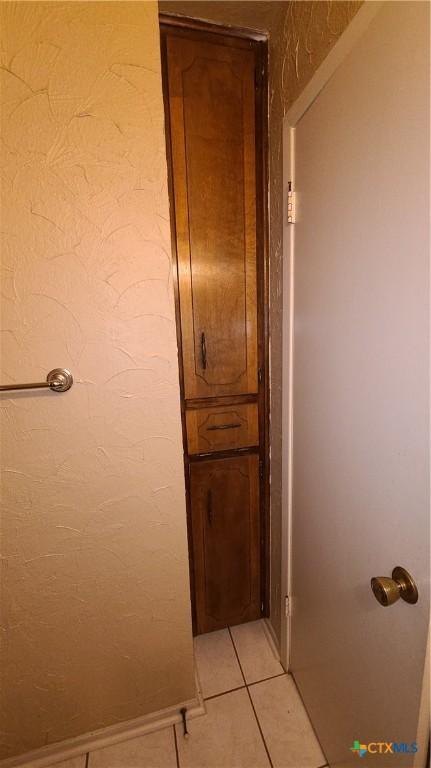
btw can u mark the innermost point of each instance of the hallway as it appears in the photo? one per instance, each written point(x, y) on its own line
point(255, 717)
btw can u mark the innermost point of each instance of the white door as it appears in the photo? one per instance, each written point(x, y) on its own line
point(361, 390)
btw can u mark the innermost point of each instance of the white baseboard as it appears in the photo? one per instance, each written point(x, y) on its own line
point(104, 737)
point(271, 637)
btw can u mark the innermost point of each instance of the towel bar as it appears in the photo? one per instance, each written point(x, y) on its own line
point(59, 380)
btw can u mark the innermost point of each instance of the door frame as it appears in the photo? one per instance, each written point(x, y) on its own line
point(247, 38)
point(321, 77)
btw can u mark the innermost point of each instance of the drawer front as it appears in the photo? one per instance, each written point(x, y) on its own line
point(222, 428)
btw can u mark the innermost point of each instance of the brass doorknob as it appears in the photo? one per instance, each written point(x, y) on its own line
point(387, 591)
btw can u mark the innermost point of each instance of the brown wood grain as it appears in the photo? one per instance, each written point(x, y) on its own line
point(237, 36)
point(212, 123)
point(255, 163)
point(205, 402)
point(226, 541)
point(222, 428)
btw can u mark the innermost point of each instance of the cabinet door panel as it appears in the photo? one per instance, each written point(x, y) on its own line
point(226, 541)
point(212, 116)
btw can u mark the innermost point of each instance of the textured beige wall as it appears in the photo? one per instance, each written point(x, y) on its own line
point(300, 36)
point(95, 594)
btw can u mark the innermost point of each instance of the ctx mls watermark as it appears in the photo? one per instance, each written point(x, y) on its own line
point(383, 748)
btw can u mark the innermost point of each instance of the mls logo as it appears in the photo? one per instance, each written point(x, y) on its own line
point(360, 749)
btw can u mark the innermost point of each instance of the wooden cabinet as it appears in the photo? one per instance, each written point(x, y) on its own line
point(214, 108)
point(212, 118)
point(226, 547)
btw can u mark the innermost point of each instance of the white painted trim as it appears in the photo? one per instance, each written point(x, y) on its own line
point(287, 392)
point(321, 77)
point(271, 637)
point(105, 737)
point(335, 57)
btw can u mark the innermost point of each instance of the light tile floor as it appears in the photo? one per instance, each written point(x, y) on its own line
point(255, 717)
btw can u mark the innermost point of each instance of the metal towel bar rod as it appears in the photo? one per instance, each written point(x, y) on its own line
point(59, 380)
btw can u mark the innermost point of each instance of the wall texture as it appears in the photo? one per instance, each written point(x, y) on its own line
point(95, 594)
point(300, 35)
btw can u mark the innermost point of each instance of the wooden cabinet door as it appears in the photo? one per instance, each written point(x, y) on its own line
point(226, 541)
point(212, 130)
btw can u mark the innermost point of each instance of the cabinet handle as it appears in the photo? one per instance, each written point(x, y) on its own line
point(210, 507)
point(234, 425)
point(203, 351)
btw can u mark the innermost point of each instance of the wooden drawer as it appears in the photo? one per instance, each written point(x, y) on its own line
point(222, 428)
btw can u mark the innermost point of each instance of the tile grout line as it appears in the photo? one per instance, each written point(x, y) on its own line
point(177, 755)
point(264, 680)
point(222, 693)
point(260, 728)
point(251, 701)
point(237, 657)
